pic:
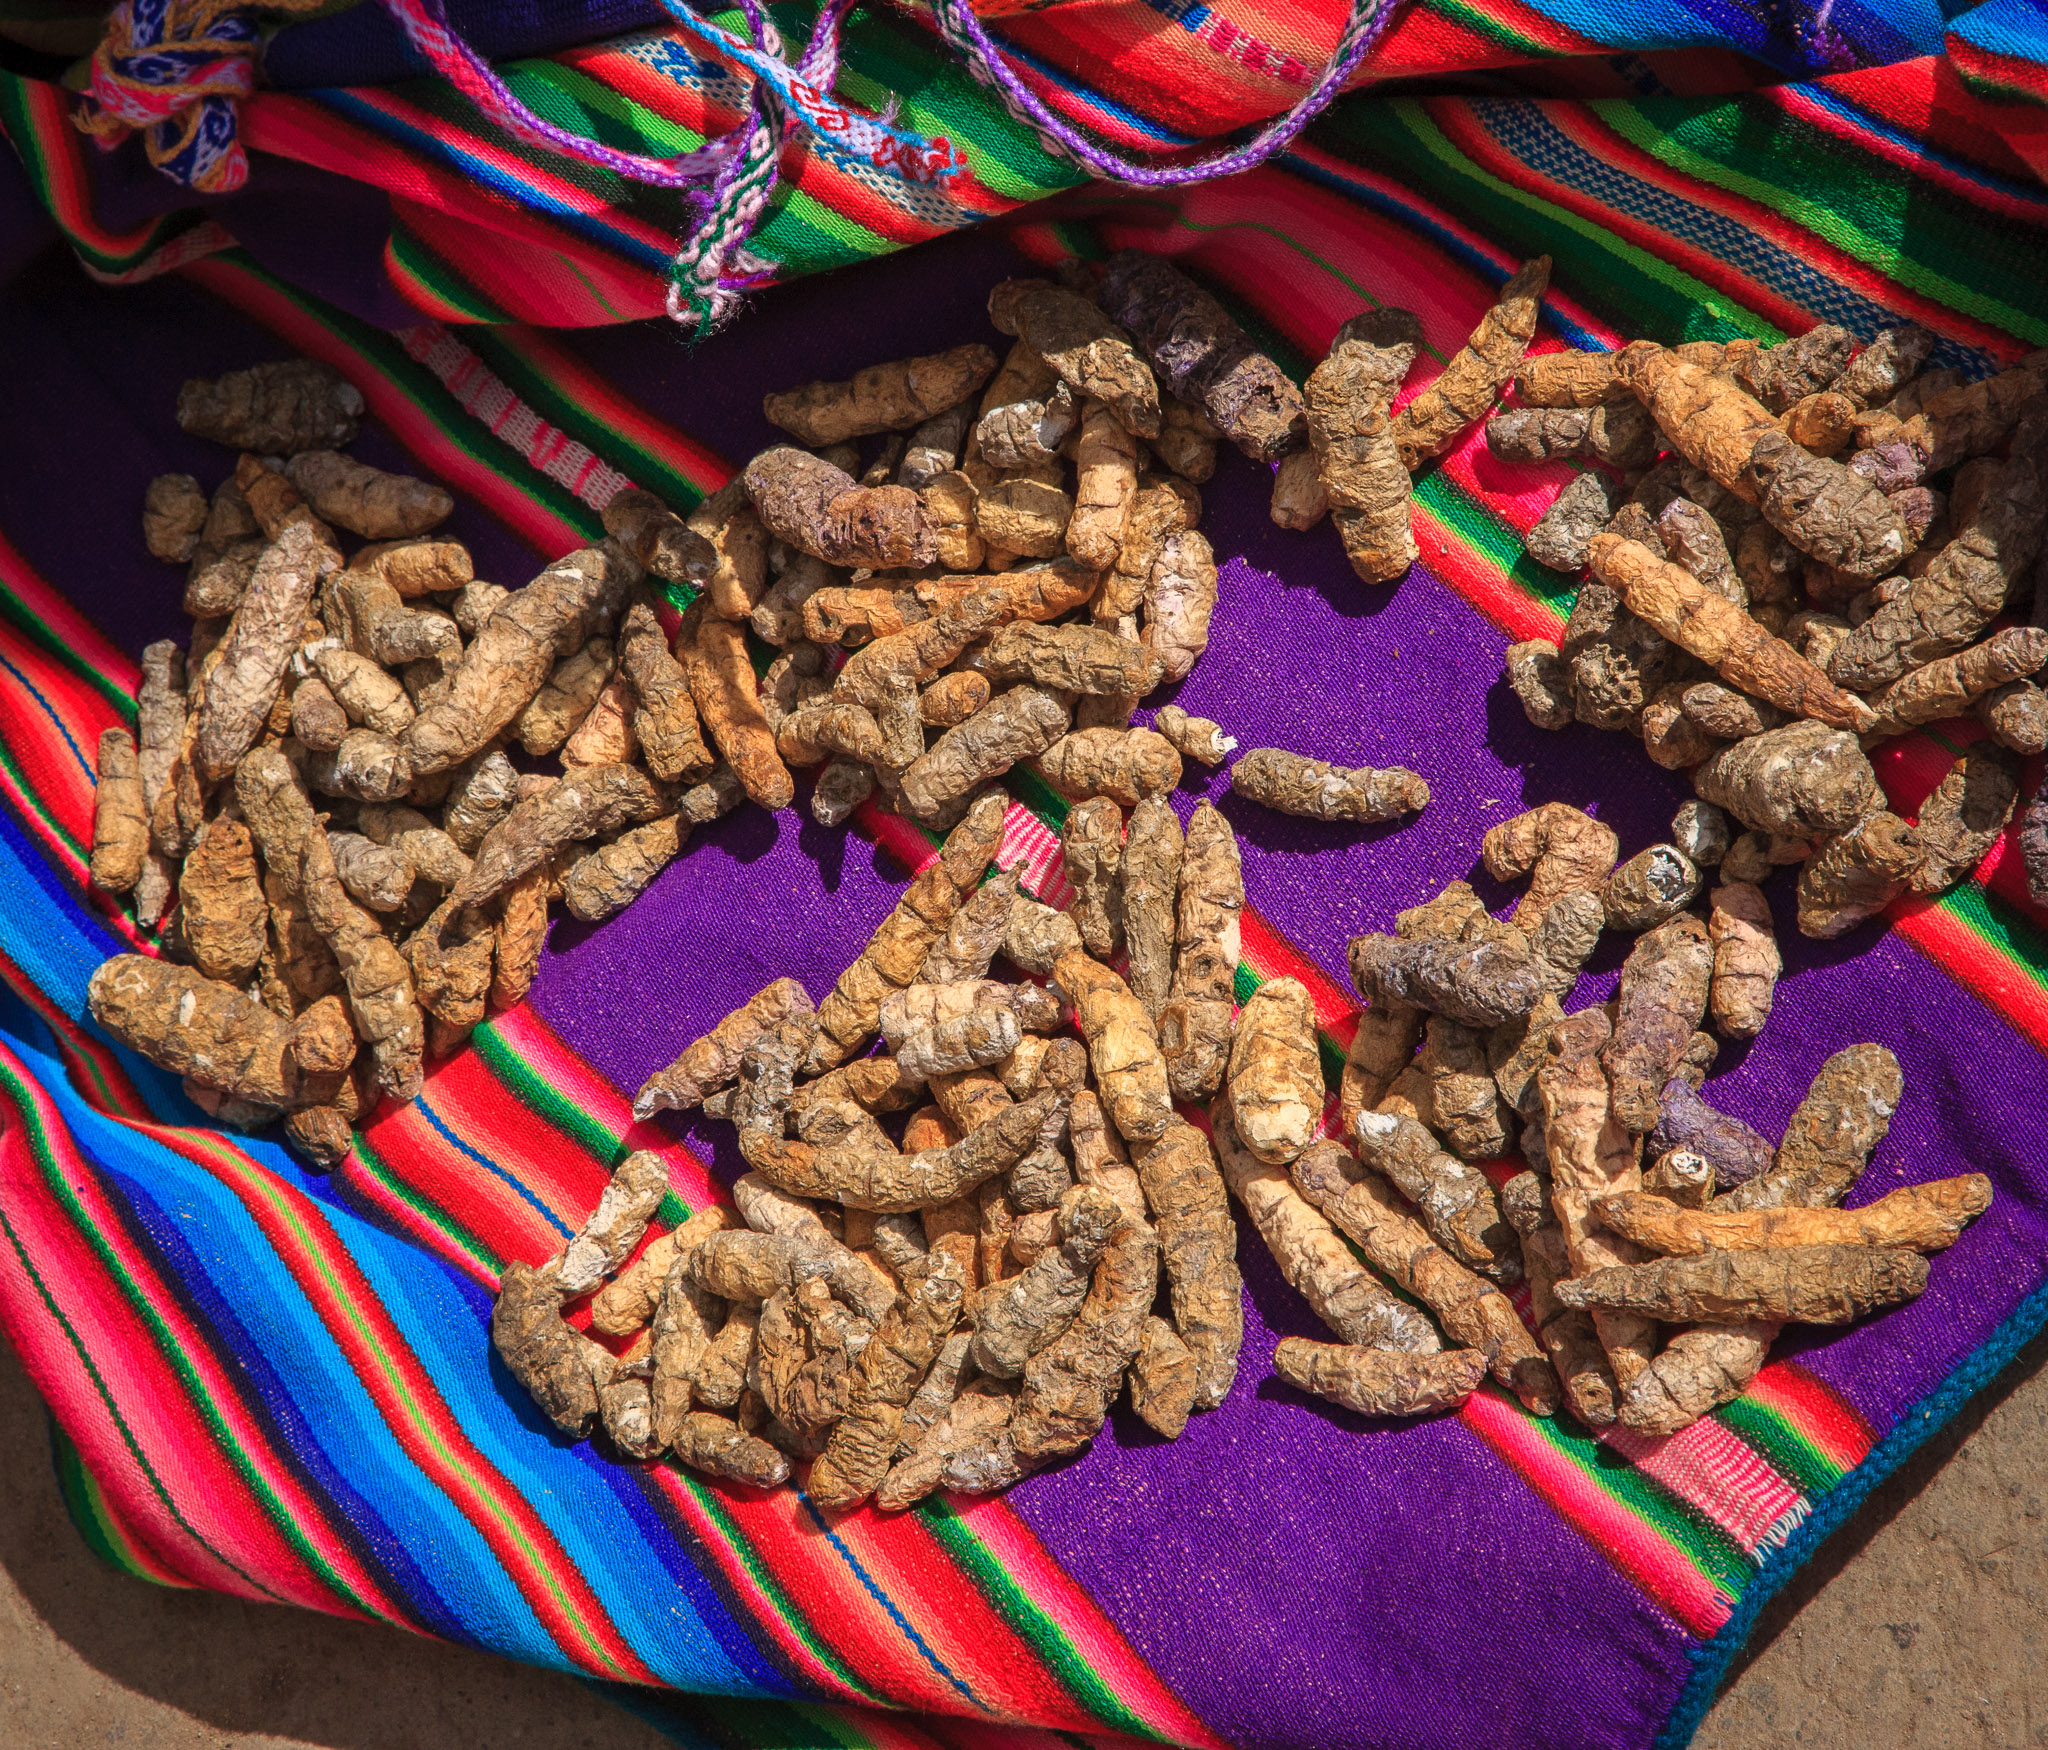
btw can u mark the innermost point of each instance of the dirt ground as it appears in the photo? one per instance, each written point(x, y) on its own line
point(1918, 1629)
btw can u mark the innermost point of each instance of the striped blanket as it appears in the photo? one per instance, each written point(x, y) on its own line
point(278, 1383)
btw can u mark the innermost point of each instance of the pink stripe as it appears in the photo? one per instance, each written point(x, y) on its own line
point(1710, 1470)
point(1030, 846)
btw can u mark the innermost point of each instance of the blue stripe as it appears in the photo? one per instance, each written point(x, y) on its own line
point(515, 188)
point(886, 1602)
point(491, 1166)
point(444, 1318)
point(226, 1258)
point(269, 1396)
point(675, 1628)
point(34, 692)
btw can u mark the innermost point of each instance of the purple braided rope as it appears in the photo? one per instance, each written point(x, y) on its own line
point(701, 295)
point(984, 57)
point(426, 27)
point(820, 63)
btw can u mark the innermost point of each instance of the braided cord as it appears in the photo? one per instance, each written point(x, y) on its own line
point(701, 296)
point(1362, 32)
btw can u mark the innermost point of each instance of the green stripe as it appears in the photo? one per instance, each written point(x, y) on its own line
point(648, 469)
point(39, 1148)
point(1482, 23)
point(2000, 925)
point(525, 1084)
point(372, 1163)
point(799, 232)
point(79, 849)
point(1482, 528)
point(1328, 1052)
point(1629, 286)
point(417, 258)
point(201, 1400)
point(86, 1503)
point(1029, 788)
point(1080, 239)
point(1865, 205)
point(780, 1725)
point(1782, 1446)
point(1055, 1650)
point(1716, 1555)
point(32, 626)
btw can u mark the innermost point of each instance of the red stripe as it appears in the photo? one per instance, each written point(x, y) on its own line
point(729, 1550)
point(1927, 99)
point(66, 623)
point(777, 1526)
point(1820, 1413)
point(555, 282)
point(1015, 1546)
point(383, 1204)
point(422, 1426)
point(126, 1351)
point(1987, 972)
point(1912, 766)
point(62, 149)
point(1662, 1572)
point(463, 1476)
point(899, 1553)
point(1423, 271)
point(417, 292)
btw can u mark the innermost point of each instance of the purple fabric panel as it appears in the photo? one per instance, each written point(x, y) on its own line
point(753, 900)
point(1271, 1499)
point(1263, 1499)
point(1311, 1579)
point(1322, 644)
point(100, 366)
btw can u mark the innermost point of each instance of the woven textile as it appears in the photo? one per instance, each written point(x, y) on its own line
point(278, 1383)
